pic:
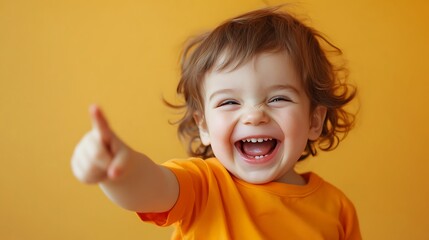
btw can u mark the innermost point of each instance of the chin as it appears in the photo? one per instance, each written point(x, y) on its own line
point(256, 179)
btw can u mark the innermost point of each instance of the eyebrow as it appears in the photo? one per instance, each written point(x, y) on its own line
point(285, 87)
point(222, 91)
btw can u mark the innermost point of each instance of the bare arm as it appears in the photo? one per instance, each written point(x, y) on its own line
point(130, 179)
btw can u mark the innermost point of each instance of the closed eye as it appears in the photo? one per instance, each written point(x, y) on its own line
point(280, 99)
point(228, 102)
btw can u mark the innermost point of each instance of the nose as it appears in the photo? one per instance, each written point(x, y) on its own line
point(255, 116)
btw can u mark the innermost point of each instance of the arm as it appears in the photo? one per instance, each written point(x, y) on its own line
point(130, 179)
point(349, 220)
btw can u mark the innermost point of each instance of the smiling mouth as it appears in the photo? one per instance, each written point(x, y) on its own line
point(256, 148)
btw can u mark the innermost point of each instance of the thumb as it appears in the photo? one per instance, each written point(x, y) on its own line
point(100, 125)
point(120, 163)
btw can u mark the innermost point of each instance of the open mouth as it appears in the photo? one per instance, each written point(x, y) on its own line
point(256, 148)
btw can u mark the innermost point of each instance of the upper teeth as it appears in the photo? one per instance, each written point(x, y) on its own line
point(253, 140)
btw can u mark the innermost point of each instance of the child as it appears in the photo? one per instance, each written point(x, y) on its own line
point(260, 95)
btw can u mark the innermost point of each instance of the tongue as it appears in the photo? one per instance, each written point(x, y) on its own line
point(258, 148)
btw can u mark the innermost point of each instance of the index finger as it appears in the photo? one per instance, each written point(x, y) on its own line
point(100, 124)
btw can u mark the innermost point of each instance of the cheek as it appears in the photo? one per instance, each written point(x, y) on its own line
point(220, 127)
point(294, 124)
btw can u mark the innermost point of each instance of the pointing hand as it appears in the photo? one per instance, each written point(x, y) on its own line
point(100, 155)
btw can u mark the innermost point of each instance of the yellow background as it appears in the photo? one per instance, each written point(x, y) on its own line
point(57, 57)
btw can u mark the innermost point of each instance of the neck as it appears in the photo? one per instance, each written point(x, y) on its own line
point(293, 178)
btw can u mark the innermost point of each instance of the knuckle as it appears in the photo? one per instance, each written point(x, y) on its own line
point(90, 160)
point(87, 170)
point(92, 175)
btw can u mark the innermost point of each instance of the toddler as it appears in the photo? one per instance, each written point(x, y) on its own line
point(260, 95)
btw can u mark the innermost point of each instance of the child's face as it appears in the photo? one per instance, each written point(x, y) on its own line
point(264, 101)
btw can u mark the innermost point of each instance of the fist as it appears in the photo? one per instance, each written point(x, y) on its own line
point(100, 155)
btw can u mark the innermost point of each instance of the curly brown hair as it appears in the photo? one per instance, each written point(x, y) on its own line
point(267, 30)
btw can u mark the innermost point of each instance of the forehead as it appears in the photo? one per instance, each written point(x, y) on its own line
point(268, 68)
point(278, 63)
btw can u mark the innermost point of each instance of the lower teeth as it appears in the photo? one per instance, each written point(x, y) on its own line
point(259, 157)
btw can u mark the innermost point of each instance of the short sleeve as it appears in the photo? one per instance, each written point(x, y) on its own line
point(349, 220)
point(184, 203)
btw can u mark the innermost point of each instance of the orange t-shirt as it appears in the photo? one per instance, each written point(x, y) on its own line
point(213, 204)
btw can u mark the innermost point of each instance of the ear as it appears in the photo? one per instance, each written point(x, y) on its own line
point(202, 127)
point(317, 121)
